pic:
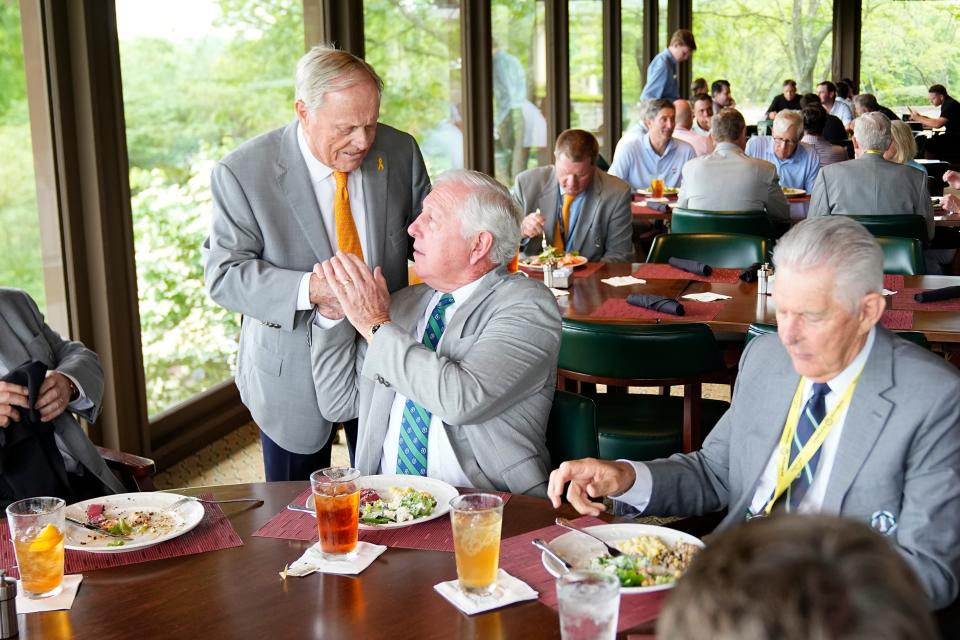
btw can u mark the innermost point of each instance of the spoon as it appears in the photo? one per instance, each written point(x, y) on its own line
point(543, 546)
point(566, 524)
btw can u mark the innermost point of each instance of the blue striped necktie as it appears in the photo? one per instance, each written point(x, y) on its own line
point(415, 423)
point(810, 419)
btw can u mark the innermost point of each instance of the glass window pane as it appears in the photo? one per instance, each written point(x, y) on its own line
point(586, 66)
point(415, 47)
point(519, 87)
point(892, 65)
point(633, 68)
point(22, 264)
point(193, 90)
point(757, 44)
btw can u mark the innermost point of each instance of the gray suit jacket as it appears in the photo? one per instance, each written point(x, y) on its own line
point(872, 186)
point(604, 227)
point(730, 180)
point(24, 336)
point(492, 379)
point(899, 452)
point(266, 232)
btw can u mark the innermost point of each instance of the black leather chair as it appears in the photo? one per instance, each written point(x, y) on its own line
point(902, 256)
point(754, 223)
point(730, 250)
point(758, 329)
point(572, 428)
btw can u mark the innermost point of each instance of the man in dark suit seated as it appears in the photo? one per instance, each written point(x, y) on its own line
point(43, 450)
point(833, 414)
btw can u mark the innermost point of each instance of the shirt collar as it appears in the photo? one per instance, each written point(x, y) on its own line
point(728, 146)
point(317, 170)
point(645, 141)
point(842, 380)
point(462, 294)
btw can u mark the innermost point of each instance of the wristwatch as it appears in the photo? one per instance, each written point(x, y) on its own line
point(377, 326)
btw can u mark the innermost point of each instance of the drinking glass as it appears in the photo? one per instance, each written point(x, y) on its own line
point(476, 520)
point(656, 188)
point(36, 528)
point(337, 500)
point(589, 605)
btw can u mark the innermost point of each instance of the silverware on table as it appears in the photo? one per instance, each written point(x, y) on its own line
point(184, 500)
point(100, 530)
point(543, 546)
point(300, 507)
point(612, 550)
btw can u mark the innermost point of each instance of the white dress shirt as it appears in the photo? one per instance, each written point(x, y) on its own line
point(638, 495)
point(442, 462)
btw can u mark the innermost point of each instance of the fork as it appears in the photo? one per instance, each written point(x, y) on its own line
point(566, 524)
point(184, 500)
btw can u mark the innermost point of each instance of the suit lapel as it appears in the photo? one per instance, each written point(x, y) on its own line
point(375, 172)
point(454, 330)
point(548, 205)
point(13, 353)
point(294, 181)
point(588, 213)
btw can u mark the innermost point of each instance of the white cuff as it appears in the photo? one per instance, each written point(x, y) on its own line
point(303, 295)
point(324, 322)
point(638, 496)
point(82, 402)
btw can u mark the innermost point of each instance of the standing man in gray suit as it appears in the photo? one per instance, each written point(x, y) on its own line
point(835, 414)
point(577, 206)
point(453, 378)
point(287, 200)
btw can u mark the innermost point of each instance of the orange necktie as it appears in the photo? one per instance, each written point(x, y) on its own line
point(558, 242)
point(348, 240)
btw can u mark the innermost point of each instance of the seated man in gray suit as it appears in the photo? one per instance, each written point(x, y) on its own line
point(834, 414)
point(73, 383)
point(730, 180)
point(454, 378)
point(576, 205)
point(332, 179)
point(870, 185)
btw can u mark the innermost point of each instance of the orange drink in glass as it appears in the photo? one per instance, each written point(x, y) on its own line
point(36, 528)
point(656, 188)
point(476, 520)
point(336, 496)
point(514, 264)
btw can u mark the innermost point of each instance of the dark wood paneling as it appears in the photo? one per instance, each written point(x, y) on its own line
point(477, 50)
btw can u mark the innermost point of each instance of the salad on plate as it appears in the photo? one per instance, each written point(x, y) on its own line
point(394, 505)
point(647, 561)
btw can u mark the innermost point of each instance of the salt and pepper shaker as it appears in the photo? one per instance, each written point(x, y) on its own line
point(548, 274)
point(8, 606)
point(762, 274)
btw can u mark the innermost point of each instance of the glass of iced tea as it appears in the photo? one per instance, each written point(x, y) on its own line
point(476, 520)
point(36, 528)
point(336, 496)
point(656, 188)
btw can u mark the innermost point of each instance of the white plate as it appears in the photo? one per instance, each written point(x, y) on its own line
point(187, 516)
point(442, 492)
point(580, 550)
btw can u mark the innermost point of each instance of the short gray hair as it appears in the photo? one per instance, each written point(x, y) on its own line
point(872, 131)
point(324, 70)
point(839, 244)
point(787, 119)
point(904, 144)
point(727, 125)
point(650, 108)
point(488, 206)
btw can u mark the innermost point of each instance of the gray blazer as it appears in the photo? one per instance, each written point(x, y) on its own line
point(730, 180)
point(899, 452)
point(872, 186)
point(266, 232)
point(492, 379)
point(24, 336)
point(604, 227)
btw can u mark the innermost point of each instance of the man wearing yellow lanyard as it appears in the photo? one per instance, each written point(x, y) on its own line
point(834, 414)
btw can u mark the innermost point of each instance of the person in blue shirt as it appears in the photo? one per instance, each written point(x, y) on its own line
point(797, 163)
point(662, 72)
point(655, 154)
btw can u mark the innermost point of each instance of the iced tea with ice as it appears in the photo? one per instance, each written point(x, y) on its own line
point(336, 497)
point(476, 520)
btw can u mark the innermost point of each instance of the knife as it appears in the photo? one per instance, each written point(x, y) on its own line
point(100, 530)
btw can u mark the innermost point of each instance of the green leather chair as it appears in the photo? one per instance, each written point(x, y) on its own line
point(902, 256)
point(758, 329)
point(572, 428)
point(754, 223)
point(730, 250)
point(643, 426)
point(905, 226)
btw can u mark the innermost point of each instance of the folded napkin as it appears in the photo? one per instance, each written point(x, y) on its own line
point(508, 591)
point(707, 296)
point(61, 601)
point(623, 281)
point(656, 303)
point(558, 292)
point(887, 292)
point(934, 295)
point(657, 204)
point(691, 266)
point(314, 560)
point(750, 273)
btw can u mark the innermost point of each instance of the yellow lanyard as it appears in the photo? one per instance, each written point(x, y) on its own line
point(786, 472)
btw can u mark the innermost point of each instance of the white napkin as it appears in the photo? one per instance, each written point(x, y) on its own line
point(61, 601)
point(509, 590)
point(313, 560)
point(707, 296)
point(623, 281)
point(558, 292)
point(887, 292)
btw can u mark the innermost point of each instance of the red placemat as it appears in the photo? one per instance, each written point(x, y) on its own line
point(897, 320)
point(659, 271)
point(212, 534)
point(904, 300)
point(434, 535)
point(695, 311)
point(522, 560)
point(893, 282)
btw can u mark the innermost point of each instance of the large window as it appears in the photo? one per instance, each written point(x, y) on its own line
point(586, 66)
point(415, 47)
point(757, 44)
point(906, 47)
point(633, 68)
point(193, 90)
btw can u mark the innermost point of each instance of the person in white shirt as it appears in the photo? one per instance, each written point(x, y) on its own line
point(684, 121)
point(702, 113)
point(833, 414)
point(827, 91)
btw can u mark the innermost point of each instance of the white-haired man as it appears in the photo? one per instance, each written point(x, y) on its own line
point(655, 154)
point(283, 202)
point(454, 378)
point(797, 164)
point(869, 184)
point(833, 414)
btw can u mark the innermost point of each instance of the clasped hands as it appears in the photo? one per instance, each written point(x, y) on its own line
point(352, 290)
point(55, 393)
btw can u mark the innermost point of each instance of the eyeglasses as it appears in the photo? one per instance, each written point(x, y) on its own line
point(787, 142)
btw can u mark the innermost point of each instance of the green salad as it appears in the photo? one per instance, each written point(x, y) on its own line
point(395, 505)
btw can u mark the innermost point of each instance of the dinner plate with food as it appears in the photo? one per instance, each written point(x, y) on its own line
point(129, 521)
point(792, 192)
point(393, 501)
point(552, 254)
point(667, 191)
point(653, 557)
